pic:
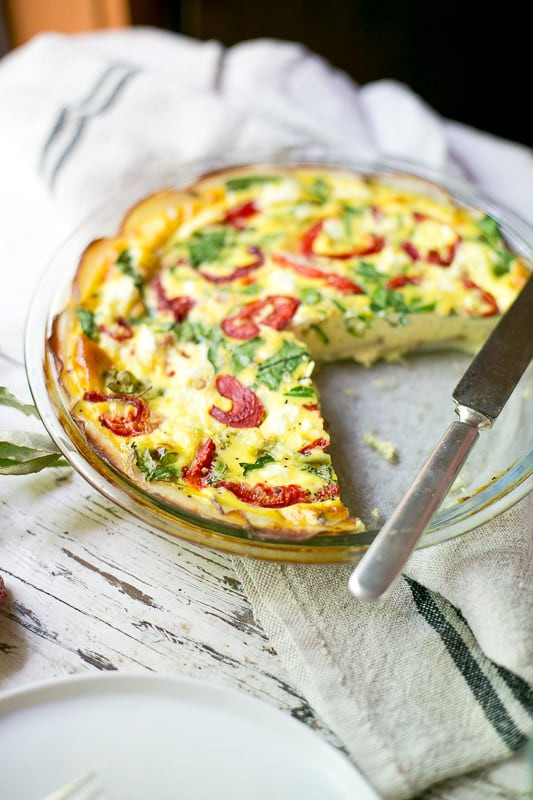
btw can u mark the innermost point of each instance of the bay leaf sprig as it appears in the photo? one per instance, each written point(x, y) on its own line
point(25, 452)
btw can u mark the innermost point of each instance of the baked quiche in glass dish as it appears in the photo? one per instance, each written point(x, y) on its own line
point(180, 356)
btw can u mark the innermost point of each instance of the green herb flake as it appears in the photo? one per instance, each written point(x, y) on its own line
point(244, 354)
point(282, 363)
point(88, 323)
point(247, 467)
point(246, 181)
point(126, 266)
point(300, 391)
point(122, 381)
point(157, 465)
point(206, 246)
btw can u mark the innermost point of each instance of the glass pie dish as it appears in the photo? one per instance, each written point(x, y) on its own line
point(384, 420)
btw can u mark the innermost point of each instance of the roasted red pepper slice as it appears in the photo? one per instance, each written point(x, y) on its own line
point(197, 472)
point(268, 496)
point(135, 422)
point(244, 324)
point(238, 272)
point(327, 492)
point(375, 244)
point(238, 216)
point(120, 330)
point(344, 285)
point(247, 410)
point(308, 448)
point(179, 306)
point(399, 281)
point(486, 297)
point(442, 259)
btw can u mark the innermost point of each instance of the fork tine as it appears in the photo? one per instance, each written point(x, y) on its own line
point(70, 790)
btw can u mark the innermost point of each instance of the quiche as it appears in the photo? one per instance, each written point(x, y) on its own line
point(187, 349)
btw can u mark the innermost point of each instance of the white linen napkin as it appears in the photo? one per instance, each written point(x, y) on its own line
point(432, 682)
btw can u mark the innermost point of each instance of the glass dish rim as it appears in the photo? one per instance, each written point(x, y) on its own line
point(479, 508)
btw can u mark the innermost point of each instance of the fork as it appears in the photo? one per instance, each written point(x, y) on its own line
point(81, 788)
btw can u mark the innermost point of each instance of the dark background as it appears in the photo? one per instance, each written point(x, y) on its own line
point(472, 62)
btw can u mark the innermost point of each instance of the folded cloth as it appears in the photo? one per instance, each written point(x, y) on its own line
point(433, 681)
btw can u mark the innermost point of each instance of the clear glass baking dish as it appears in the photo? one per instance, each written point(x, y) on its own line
point(408, 403)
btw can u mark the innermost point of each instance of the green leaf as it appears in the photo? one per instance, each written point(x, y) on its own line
point(206, 246)
point(217, 473)
point(23, 453)
point(300, 391)
point(30, 466)
point(284, 362)
point(244, 354)
point(348, 213)
point(321, 471)
point(319, 191)
point(247, 467)
point(246, 181)
point(490, 230)
point(127, 267)
point(503, 262)
point(121, 381)
point(157, 465)
point(8, 399)
point(367, 270)
point(88, 324)
point(191, 332)
point(310, 297)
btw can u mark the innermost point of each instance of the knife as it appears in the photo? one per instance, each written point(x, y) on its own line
point(480, 395)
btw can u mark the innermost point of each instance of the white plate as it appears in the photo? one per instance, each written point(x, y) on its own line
point(158, 737)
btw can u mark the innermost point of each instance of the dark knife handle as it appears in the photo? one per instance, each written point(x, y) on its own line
point(383, 562)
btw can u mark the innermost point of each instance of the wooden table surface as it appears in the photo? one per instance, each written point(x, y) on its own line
point(91, 588)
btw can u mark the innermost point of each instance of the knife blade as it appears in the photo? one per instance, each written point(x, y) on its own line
point(479, 396)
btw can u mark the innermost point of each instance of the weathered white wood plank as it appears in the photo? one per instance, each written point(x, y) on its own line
point(89, 587)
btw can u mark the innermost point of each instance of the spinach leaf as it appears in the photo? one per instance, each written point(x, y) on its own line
point(284, 362)
point(206, 246)
point(88, 323)
point(367, 270)
point(157, 465)
point(321, 471)
point(348, 213)
point(121, 381)
point(319, 191)
point(217, 473)
point(300, 391)
point(490, 230)
point(261, 461)
point(238, 184)
point(127, 267)
point(503, 262)
point(244, 353)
